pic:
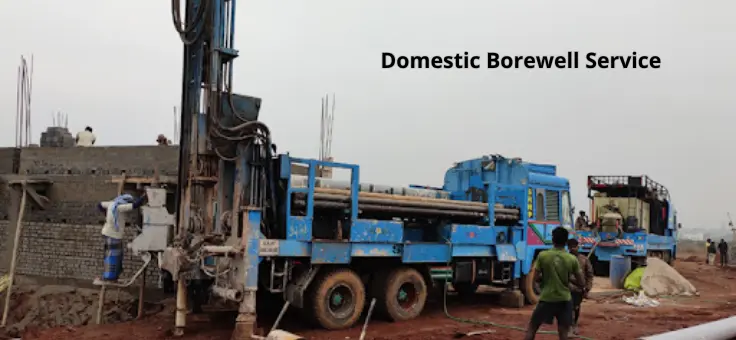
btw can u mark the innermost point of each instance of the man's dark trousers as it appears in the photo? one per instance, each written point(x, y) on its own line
point(547, 312)
point(577, 301)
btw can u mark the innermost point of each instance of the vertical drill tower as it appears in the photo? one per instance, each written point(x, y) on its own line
point(224, 155)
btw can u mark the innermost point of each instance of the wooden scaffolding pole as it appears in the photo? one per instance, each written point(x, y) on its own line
point(16, 243)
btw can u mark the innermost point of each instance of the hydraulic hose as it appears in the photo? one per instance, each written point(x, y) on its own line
point(191, 26)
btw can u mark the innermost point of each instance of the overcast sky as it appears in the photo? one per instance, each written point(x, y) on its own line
point(116, 66)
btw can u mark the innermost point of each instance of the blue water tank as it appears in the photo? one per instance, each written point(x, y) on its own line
point(620, 267)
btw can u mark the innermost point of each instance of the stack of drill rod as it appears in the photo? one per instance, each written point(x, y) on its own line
point(299, 181)
point(404, 206)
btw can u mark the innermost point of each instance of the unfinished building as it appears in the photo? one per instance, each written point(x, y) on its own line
point(63, 241)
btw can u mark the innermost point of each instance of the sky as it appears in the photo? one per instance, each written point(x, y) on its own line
point(116, 66)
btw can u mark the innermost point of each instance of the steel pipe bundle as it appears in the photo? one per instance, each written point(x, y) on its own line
point(325, 198)
point(299, 181)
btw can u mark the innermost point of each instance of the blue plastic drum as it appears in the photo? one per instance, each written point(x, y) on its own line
point(620, 267)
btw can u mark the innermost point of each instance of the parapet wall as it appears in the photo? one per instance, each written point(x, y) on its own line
point(100, 161)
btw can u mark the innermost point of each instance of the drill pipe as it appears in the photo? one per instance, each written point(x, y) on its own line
point(399, 197)
point(405, 210)
point(300, 181)
point(415, 204)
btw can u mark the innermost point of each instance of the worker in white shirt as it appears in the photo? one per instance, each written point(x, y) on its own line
point(86, 137)
point(113, 231)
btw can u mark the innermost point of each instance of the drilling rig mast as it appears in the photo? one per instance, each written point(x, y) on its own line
point(224, 152)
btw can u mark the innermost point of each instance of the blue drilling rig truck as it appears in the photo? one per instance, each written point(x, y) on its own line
point(632, 216)
point(330, 246)
point(249, 220)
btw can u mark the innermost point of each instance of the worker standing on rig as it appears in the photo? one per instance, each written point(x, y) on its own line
point(581, 223)
point(579, 290)
point(555, 266)
point(113, 230)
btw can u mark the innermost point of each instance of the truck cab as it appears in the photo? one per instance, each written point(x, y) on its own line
point(630, 216)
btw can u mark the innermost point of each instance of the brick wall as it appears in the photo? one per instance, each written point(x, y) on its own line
point(64, 241)
point(82, 177)
point(112, 160)
point(68, 251)
point(7, 161)
point(4, 243)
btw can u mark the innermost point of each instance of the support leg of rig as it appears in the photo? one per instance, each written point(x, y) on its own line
point(245, 323)
point(181, 307)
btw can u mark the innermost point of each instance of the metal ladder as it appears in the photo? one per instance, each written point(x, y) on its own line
point(277, 283)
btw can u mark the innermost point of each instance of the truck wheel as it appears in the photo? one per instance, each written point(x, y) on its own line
point(403, 294)
point(600, 268)
point(338, 299)
point(530, 288)
point(667, 257)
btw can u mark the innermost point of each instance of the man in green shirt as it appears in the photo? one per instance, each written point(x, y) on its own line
point(555, 266)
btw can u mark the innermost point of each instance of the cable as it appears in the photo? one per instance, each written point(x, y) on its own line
point(488, 323)
point(198, 18)
point(493, 324)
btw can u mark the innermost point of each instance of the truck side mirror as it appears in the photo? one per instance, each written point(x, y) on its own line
point(679, 226)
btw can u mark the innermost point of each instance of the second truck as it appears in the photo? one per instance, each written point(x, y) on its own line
point(630, 216)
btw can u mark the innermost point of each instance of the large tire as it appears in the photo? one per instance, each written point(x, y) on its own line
point(529, 287)
point(400, 295)
point(601, 268)
point(337, 299)
point(667, 257)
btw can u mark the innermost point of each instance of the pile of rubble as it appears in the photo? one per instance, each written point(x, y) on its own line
point(35, 306)
point(661, 279)
point(657, 279)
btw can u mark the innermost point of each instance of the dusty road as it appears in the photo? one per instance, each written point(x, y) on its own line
point(604, 317)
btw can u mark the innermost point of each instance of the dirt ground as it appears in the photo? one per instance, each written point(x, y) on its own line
point(604, 316)
point(36, 305)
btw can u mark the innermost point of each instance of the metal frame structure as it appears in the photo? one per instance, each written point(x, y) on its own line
point(639, 244)
point(635, 186)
